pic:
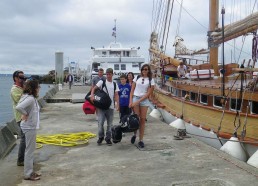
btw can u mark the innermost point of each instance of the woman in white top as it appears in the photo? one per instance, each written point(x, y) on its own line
point(142, 88)
point(29, 108)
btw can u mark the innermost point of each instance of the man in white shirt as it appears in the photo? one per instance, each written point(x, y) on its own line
point(181, 70)
point(112, 89)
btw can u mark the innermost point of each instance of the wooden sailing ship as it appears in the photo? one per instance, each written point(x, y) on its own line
point(226, 104)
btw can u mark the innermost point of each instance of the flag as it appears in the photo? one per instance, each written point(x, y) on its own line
point(114, 34)
point(114, 29)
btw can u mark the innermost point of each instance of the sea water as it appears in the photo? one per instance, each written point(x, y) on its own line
point(6, 110)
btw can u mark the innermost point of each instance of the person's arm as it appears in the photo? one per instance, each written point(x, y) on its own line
point(117, 100)
point(178, 73)
point(23, 105)
point(99, 84)
point(131, 94)
point(16, 95)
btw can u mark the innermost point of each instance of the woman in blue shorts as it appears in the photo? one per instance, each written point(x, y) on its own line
point(142, 88)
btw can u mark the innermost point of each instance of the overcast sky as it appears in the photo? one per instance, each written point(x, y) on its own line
point(33, 30)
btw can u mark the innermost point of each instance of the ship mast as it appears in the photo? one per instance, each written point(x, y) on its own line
point(213, 21)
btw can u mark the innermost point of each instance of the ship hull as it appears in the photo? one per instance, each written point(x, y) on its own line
point(203, 122)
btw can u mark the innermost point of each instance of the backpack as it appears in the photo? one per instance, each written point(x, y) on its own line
point(149, 79)
point(101, 98)
point(130, 123)
point(116, 132)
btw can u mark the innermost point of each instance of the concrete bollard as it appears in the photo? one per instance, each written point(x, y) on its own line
point(7, 141)
point(13, 127)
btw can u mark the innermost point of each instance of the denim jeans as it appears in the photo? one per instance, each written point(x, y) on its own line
point(22, 146)
point(102, 116)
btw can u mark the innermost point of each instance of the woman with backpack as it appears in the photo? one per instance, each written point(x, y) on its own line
point(142, 88)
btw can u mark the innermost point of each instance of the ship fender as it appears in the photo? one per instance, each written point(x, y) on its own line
point(178, 124)
point(234, 148)
point(155, 114)
point(253, 160)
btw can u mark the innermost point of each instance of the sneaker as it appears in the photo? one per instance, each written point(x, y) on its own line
point(33, 177)
point(109, 142)
point(100, 140)
point(20, 163)
point(36, 174)
point(133, 139)
point(141, 144)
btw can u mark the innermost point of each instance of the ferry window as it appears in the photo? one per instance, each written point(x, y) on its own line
point(192, 96)
point(235, 104)
point(116, 66)
point(183, 93)
point(123, 67)
point(115, 53)
point(135, 65)
point(175, 92)
point(127, 53)
point(254, 107)
point(172, 90)
point(104, 53)
point(204, 99)
point(217, 101)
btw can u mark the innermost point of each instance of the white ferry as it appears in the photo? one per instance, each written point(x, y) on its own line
point(122, 60)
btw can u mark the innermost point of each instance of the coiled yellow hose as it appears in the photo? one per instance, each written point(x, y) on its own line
point(66, 139)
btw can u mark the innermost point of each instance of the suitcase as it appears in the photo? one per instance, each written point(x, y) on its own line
point(88, 108)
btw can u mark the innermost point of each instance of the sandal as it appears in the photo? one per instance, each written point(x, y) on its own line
point(33, 177)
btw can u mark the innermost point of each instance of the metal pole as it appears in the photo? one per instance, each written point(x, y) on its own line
point(223, 57)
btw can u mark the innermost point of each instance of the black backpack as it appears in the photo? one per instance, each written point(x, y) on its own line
point(116, 133)
point(130, 123)
point(101, 98)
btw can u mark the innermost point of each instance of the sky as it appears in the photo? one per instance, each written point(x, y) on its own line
point(32, 31)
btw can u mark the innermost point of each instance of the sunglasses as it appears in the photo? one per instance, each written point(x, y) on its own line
point(142, 80)
point(22, 77)
point(145, 69)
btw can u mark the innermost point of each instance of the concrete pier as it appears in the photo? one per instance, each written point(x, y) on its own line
point(163, 161)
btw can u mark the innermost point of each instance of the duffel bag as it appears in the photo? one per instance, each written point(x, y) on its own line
point(130, 123)
point(88, 108)
point(116, 133)
point(101, 99)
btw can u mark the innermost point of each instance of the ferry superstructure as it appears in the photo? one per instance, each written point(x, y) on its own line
point(121, 59)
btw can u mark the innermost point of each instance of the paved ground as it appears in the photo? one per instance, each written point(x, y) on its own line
point(164, 161)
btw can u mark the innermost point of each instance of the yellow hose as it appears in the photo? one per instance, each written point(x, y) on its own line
point(66, 140)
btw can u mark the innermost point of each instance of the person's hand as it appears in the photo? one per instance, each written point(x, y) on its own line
point(135, 103)
point(117, 107)
point(92, 98)
point(24, 117)
point(130, 104)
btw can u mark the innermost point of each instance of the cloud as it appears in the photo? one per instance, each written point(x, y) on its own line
point(32, 31)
